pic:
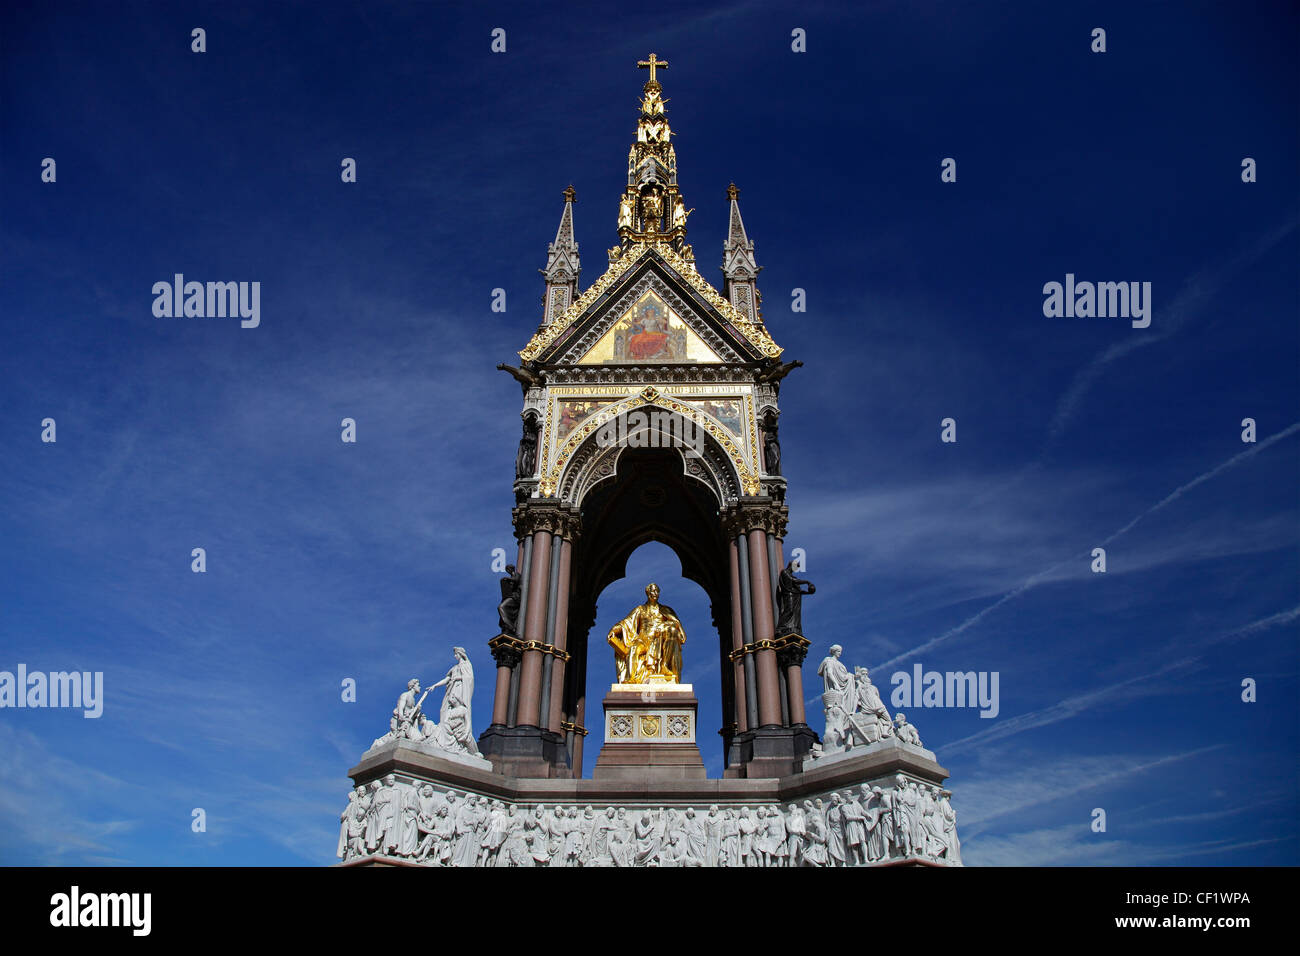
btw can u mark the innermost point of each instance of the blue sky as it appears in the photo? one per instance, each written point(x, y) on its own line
point(1118, 690)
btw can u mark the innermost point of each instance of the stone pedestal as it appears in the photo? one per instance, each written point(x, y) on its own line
point(650, 734)
point(769, 751)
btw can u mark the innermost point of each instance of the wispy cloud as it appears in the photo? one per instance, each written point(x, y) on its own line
point(989, 797)
point(1035, 579)
point(1195, 294)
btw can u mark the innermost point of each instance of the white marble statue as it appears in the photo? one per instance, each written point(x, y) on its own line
point(906, 732)
point(838, 700)
point(856, 715)
point(455, 731)
point(869, 720)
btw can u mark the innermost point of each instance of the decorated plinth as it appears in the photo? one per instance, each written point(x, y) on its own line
point(650, 733)
point(879, 805)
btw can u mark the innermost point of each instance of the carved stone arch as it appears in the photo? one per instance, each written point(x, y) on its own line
point(591, 462)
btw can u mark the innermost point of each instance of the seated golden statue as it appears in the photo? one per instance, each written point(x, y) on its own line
point(648, 643)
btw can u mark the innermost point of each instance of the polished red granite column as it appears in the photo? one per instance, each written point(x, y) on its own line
point(561, 635)
point(530, 680)
point(760, 591)
point(739, 718)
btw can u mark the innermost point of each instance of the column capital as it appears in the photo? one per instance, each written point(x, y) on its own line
point(506, 650)
point(791, 649)
point(551, 515)
point(755, 513)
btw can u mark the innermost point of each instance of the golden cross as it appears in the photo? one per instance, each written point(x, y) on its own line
point(651, 64)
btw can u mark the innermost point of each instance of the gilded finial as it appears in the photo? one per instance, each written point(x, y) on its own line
point(732, 191)
point(650, 65)
point(570, 194)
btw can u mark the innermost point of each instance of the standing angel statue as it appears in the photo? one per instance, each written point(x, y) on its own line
point(454, 730)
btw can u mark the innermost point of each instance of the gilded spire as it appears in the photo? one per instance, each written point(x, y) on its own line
point(739, 268)
point(562, 263)
point(651, 208)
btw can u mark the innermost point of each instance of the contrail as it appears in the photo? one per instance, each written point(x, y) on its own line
point(1081, 702)
point(1199, 288)
point(1035, 579)
point(1195, 291)
point(1061, 711)
point(1177, 493)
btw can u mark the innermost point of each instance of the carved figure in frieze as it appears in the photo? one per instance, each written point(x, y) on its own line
point(347, 821)
point(383, 813)
point(694, 833)
point(774, 845)
point(730, 833)
point(426, 824)
point(874, 822)
point(949, 817)
point(906, 814)
point(578, 836)
point(444, 837)
point(815, 851)
point(747, 823)
point(713, 822)
point(622, 845)
point(498, 825)
point(915, 801)
point(407, 839)
point(796, 828)
point(646, 834)
point(603, 829)
point(891, 820)
point(855, 829)
point(835, 842)
point(678, 852)
point(936, 844)
point(537, 837)
point(514, 849)
point(469, 816)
